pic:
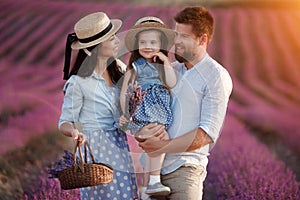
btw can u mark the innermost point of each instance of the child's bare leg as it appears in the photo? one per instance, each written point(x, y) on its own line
point(156, 164)
point(146, 174)
point(155, 187)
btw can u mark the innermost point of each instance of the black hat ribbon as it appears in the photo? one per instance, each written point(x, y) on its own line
point(70, 39)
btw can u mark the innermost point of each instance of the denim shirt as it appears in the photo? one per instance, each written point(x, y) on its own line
point(147, 74)
point(200, 99)
point(91, 102)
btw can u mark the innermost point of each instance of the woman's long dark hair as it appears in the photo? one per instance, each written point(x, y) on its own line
point(136, 55)
point(88, 68)
point(84, 67)
point(114, 70)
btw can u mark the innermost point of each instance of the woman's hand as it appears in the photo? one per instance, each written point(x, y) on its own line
point(78, 137)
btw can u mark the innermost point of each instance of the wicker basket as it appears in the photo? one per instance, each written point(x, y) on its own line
point(88, 174)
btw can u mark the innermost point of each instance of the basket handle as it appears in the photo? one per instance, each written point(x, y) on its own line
point(86, 146)
point(77, 146)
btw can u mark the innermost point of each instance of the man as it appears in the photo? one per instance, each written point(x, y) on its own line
point(199, 107)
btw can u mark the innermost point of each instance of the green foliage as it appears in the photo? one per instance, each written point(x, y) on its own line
point(21, 167)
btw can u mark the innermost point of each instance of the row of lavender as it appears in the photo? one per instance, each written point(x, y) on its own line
point(242, 168)
point(28, 103)
point(265, 97)
point(265, 68)
point(264, 74)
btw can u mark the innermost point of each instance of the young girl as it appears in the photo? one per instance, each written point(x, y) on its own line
point(149, 41)
point(91, 99)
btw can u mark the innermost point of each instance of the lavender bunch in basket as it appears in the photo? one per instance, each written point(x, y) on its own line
point(65, 162)
point(134, 97)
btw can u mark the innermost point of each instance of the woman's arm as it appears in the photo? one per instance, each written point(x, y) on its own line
point(69, 130)
point(71, 108)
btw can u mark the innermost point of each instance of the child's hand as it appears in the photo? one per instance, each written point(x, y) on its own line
point(162, 57)
point(123, 120)
point(123, 123)
point(170, 76)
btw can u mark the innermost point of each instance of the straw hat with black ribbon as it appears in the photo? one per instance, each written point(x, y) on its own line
point(89, 31)
point(148, 23)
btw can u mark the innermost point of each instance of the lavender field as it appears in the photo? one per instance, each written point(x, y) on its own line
point(258, 153)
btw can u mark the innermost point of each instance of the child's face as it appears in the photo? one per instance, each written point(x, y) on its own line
point(149, 43)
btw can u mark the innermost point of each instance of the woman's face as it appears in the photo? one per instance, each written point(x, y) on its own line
point(149, 42)
point(110, 47)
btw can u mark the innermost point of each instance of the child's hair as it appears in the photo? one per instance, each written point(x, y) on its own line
point(84, 67)
point(136, 55)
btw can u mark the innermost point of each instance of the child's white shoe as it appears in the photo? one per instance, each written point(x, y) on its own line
point(158, 189)
point(145, 196)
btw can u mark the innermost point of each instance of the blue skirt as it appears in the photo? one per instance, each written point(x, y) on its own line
point(111, 147)
point(155, 107)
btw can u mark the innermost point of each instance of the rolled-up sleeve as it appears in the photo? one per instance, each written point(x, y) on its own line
point(214, 104)
point(72, 102)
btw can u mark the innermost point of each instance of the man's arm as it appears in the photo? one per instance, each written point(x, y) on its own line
point(200, 139)
point(188, 142)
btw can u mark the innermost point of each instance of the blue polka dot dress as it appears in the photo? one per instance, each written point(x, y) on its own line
point(111, 147)
point(95, 105)
point(155, 107)
point(156, 103)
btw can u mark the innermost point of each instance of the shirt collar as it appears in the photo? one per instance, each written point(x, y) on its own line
point(97, 76)
point(141, 63)
point(197, 64)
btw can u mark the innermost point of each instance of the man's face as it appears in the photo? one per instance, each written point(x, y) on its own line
point(185, 43)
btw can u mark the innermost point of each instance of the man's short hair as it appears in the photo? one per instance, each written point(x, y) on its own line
point(200, 19)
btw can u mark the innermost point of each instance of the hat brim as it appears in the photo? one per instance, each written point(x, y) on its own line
point(131, 34)
point(116, 26)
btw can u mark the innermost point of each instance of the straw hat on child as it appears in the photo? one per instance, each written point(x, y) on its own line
point(149, 23)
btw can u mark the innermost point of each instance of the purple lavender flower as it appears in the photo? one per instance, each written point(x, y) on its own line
point(134, 97)
point(45, 188)
point(65, 162)
point(135, 100)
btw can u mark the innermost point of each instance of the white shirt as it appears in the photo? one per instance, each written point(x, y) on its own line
point(200, 99)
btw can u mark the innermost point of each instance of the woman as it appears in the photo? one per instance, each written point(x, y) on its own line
point(91, 99)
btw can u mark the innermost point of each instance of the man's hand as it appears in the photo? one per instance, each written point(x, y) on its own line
point(154, 146)
point(190, 141)
point(151, 130)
